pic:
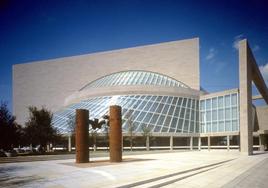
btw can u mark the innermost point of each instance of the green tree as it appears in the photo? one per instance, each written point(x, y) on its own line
point(130, 128)
point(10, 131)
point(146, 134)
point(71, 130)
point(39, 129)
point(96, 124)
point(71, 124)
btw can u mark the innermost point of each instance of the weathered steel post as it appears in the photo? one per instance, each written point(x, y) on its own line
point(115, 134)
point(81, 136)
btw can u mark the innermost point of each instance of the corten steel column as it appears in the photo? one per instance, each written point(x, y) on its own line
point(115, 134)
point(81, 136)
point(70, 142)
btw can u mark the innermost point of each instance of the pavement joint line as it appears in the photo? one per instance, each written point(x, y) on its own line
point(171, 175)
point(181, 178)
point(167, 181)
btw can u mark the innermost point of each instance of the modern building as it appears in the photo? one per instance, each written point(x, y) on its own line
point(158, 87)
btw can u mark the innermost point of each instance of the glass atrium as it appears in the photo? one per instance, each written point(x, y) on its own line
point(160, 113)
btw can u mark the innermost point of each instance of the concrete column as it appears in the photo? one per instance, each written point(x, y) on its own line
point(228, 142)
point(245, 97)
point(261, 142)
point(208, 142)
point(48, 148)
point(199, 143)
point(171, 142)
point(115, 134)
point(191, 142)
point(70, 142)
point(81, 136)
point(147, 143)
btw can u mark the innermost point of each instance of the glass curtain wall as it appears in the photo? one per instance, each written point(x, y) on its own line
point(219, 114)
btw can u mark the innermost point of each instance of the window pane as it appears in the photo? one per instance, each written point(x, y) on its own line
point(160, 108)
point(227, 126)
point(171, 110)
point(167, 121)
point(160, 120)
point(180, 125)
point(177, 111)
point(192, 125)
point(203, 105)
point(182, 113)
point(214, 103)
point(221, 126)
point(169, 100)
point(208, 104)
point(208, 127)
point(221, 114)
point(214, 127)
point(208, 116)
point(227, 100)
point(227, 113)
point(165, 109)
point(174, 102)
point(234, 112)
point(186, 126)
point(188, 113)
point(179, 102)
point(147, 117)
point(214, 115)
point(154, 119)
point(189, 103)
point(184, 102)
point(174, 122)
point(193, 104)
point(203, 116)
point(220, 102)
point(234, 99)
point(235, 125)
point(192, 114)
point(141, 116)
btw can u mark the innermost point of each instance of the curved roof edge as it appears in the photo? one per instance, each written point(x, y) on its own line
point(130, 90)
point(123, 78)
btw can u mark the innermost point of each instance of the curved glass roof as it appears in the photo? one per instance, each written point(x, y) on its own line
point(134, 78)
point(160, 114)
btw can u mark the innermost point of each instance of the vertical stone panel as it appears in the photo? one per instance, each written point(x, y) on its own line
point(115, 134)
point(81, 136)
point(245, 97)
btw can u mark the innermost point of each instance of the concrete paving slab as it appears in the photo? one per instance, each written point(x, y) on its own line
point(170, 169)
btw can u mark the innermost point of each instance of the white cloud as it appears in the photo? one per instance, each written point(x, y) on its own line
point(211, 54)
point(256, 48)
point(236, 41)
point(264, 71)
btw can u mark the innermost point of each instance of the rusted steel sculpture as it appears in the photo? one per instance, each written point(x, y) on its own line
point(82, 137)
point(115, 122)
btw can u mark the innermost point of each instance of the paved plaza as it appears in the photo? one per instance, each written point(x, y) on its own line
point(166, 169)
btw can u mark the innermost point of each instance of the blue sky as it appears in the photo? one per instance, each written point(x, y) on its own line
point(38, 30)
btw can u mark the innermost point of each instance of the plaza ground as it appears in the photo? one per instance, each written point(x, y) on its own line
point(153, 169)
